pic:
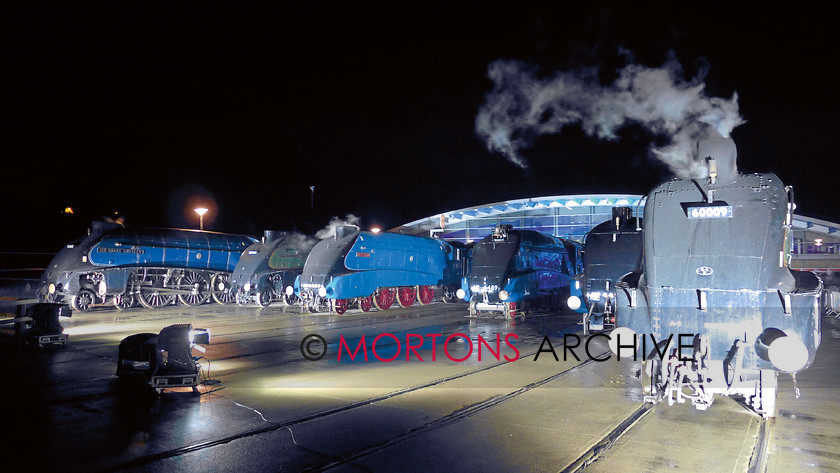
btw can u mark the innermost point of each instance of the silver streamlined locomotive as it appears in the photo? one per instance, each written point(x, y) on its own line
point(717, 285)
point(267, 269)
point(152, 266)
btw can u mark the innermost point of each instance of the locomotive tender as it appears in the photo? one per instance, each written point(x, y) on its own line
point(513, 269)
point(152, 266)
point(716, 270)
point(377, 269)
point(612, 250)
point(267, 269)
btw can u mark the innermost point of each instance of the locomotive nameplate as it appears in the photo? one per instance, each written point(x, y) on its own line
point(137, 251)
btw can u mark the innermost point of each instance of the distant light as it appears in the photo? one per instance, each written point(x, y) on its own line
point(818, 241)
point(375, 230)
point(68, 210)
point(201, 211)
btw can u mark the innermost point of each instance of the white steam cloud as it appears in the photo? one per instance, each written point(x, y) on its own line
point(522, 106)
point(335, 222)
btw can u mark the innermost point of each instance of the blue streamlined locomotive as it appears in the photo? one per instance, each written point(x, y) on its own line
point(511, 269)
point(716, 281)
point(152, 266)
point(268, 268)
point(375, 269)
point(612, 250)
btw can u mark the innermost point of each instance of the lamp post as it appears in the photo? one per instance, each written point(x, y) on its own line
point(201, 211)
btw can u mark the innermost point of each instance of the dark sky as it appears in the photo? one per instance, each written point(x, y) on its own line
point(137, 107)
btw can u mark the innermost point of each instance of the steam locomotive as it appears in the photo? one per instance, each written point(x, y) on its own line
point(267, 269)
point(376, 269)
point(612, 250)
point(152, 266)
point(716, 309)
point(514, 269)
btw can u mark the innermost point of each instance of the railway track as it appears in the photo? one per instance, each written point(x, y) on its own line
point(319, 456)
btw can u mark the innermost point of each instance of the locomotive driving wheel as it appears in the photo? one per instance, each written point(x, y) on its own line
point(365, 303)
point(384, 297)
point(194, 288)
point(153, 292)
point(406, 295)
point(425, 294)
point(222, 292)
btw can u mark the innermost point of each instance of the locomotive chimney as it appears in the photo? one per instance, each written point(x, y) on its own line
point(344, 230)
point(721, 156)
point(268, 235)
point(621, 215)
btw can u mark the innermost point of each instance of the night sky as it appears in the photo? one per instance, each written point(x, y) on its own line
point(146, 109)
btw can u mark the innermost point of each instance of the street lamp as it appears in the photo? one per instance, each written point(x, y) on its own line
point(201, 211)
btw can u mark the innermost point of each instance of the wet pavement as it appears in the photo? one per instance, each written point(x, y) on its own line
point(264, 407)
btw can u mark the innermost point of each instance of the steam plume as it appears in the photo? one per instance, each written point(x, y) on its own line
point(329, 230)
point(522, 106)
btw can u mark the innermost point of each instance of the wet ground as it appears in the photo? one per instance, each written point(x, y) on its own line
point(438, 392)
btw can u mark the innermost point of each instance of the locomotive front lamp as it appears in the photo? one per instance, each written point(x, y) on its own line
point(201, 211)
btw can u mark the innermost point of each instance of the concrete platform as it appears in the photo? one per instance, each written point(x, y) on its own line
point(272, 410)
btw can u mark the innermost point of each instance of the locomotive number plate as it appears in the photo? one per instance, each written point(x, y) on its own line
point(710, 211)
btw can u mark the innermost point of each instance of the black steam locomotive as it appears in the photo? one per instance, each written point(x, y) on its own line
point(716, 309)
point(612, 251)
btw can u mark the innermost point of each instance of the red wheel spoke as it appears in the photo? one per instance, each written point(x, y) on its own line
point(406, 295)
point(384, 298)
point(425, 294)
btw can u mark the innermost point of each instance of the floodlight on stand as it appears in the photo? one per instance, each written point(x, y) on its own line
point(200, 336)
